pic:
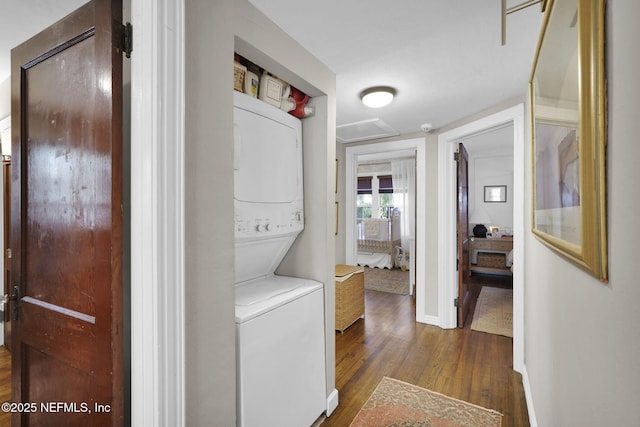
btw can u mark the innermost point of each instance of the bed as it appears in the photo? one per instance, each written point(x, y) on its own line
point(377, 240)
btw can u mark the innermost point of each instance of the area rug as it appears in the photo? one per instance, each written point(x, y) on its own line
point(494, 311)
point(396, 403)
point(393, 281)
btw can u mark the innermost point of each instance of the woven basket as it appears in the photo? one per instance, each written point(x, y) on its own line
point(349, 295)
point(486, 259)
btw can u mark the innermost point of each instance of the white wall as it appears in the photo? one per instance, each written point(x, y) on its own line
point(210, 381)
point(213, 31)
point(5, 98)
point(491, 170)
point(582, 349)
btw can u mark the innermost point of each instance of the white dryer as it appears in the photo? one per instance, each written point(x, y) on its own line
point(279, 320)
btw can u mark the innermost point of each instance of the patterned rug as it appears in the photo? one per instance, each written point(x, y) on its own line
point(393, 281)
point(494, 311)
point(396, 403)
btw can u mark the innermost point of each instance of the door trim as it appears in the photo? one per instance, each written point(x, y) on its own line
point(351, 187)
point(157, 214)
point(5, 123)
point(447, 282)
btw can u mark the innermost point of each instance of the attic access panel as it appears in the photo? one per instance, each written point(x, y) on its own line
point(364, 130)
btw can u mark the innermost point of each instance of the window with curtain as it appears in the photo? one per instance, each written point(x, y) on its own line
point(385, 195)
point(404, 189)
point(375, 196)
point(365, 197)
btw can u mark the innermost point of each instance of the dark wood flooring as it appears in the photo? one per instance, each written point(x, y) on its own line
point(472, 366)
point(5, 385)
point(468, 365)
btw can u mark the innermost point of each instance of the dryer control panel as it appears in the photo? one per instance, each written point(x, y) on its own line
point(267, 222)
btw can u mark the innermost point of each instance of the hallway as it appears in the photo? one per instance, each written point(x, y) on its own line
point(464, 364)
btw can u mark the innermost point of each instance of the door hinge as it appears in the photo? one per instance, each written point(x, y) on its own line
point(456, 156)
point(127, 39)
point(456, 302)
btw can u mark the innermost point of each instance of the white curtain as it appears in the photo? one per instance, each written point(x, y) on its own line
point(403, 175)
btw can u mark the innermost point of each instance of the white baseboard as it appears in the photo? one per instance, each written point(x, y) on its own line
point(429, 320)
point(332, 402)
point(527, 394)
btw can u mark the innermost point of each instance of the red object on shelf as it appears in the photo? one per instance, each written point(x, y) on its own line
point(300, 99)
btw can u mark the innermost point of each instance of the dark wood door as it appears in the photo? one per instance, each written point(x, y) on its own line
point(67, 221)
point(464, 300)
point(6, 196)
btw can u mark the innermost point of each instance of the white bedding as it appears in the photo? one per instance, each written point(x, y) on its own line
point(370, 259)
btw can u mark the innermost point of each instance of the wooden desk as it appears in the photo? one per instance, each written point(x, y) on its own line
point(498, 245)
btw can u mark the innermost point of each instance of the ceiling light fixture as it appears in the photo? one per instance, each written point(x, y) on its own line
point(378, 96)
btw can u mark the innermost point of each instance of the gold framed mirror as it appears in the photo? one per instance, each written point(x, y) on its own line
point(567, 90)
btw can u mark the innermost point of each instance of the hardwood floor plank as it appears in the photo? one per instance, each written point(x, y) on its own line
point(5, 384)
point(473, 366)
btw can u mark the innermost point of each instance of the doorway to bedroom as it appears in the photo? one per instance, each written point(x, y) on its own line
point(384, 221)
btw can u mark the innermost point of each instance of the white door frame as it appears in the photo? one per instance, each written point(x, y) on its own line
point(351, 189)
point(157, 213)
point(448, 279)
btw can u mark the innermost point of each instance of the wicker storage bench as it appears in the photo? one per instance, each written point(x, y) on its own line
point(349, 295)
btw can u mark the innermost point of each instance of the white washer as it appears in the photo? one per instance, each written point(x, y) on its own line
point(279, 320)
point(279, 339)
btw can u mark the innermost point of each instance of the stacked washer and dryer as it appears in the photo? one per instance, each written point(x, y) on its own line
point(280, 334)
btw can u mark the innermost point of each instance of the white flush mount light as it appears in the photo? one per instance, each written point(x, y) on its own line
point(378, 96)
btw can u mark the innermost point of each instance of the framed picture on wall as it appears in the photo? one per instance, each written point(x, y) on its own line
point(495, 193)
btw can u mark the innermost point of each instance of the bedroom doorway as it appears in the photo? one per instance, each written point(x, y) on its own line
point(385, 221)
point(447, 143)
point(385, 151)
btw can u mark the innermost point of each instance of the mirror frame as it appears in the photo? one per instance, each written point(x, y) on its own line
point(590, 253)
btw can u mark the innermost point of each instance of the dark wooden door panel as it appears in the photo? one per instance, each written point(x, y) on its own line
point(67, 219)
point(66, 177)
point(464, 300)
point(70, 385)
